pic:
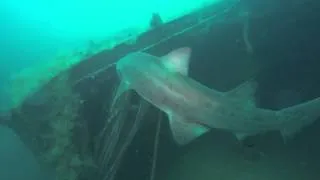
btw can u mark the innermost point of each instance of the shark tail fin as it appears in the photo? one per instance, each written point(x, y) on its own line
point(297, 117)
point(183, 131)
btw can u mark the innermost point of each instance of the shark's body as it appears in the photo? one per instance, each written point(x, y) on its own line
point(193, 109)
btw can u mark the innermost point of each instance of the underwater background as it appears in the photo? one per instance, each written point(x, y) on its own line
point(53, 133)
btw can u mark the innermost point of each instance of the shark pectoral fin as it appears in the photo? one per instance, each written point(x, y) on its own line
point(123, 87)
point(286, 136)
point(184, 132)
point(290, 130)
point(244, 91)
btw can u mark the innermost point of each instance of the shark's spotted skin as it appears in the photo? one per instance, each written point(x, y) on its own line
point(193, 109)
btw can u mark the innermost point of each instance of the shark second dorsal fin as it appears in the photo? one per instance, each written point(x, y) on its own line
point(178, 60)
point(244, 92)
point(184, 132)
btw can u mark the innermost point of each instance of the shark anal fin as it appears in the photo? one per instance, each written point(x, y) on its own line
point(184, 132)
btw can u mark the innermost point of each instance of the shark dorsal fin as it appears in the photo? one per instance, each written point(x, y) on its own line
point(244, 92)
point(178, 60)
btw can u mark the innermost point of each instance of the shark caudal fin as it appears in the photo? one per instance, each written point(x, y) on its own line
point(299, 116)
point(184, 132)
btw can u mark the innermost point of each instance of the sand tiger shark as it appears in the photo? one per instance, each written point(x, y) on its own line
point(193, 109)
